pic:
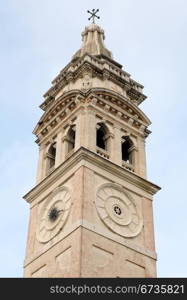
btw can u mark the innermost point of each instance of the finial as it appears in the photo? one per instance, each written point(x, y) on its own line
point(93, 15)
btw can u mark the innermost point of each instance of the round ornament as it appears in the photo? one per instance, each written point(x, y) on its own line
point(53, 214)
point(118, 210)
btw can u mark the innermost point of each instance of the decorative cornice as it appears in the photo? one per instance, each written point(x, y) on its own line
point(102, 68)
point(121, 102)
point(83, 154)
point(111, 102)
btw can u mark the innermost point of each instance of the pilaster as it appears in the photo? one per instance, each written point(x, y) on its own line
point(58, 159)
point(116, 146)
point(90, 129)
point(41, 164)
point(141, 157)
point(80, 129)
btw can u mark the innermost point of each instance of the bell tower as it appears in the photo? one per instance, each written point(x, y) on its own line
point(91, 211)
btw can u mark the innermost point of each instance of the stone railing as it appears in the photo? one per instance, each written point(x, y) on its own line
point(69, 153)
point(50, 170)
point(102, 152)
point(127, 166)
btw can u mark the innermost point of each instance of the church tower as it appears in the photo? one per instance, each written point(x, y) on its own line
point(91, 212)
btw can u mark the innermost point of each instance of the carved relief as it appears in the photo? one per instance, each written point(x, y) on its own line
point(118, 210)
point(86, 83)
point(53, 214)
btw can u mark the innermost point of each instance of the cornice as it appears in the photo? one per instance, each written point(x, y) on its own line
point(59, 109)
point(82, 155)
point(110, 101)
point(98, 67)
point(123, 102)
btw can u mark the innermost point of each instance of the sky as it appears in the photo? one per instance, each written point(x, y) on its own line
point(149, 38)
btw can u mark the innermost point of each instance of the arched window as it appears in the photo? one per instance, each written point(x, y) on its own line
point(71, 139)
point(101, 136)
point(126, 149)
point(50, 156)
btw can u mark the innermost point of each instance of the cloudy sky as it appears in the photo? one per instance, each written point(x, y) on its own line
point(149, 38)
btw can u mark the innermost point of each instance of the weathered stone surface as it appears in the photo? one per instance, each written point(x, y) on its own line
point(93, 42)
point(91, 209)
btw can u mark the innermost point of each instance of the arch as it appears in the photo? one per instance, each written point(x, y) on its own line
point(126, 149)
point(71, 138)
point(146, 121)
point(102, 136)
point(51, 156)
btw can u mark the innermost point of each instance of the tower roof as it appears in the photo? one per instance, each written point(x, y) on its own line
point(93, 42)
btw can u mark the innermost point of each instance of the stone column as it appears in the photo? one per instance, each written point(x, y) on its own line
point(115, 151)
point(134, 161)
point(141, 157)
point(64, 150)
point(90, 129)
point(41, 164)
point(58, 159)
point(80, 130)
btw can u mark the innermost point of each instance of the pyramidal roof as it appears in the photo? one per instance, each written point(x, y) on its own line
point(93, 43)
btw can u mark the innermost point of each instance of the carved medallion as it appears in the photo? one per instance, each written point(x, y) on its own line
point(53, 214)
point(118, 210)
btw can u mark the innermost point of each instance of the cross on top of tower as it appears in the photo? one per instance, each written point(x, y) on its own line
point(93, 15)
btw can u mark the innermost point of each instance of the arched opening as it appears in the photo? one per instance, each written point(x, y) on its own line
point(51, 156)
point(101, 139)
point(71, 139)
point(126, 149)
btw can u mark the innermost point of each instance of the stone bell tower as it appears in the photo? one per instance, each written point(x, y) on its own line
point(91, 210)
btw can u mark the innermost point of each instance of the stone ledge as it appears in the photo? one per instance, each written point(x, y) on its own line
point(82, 155)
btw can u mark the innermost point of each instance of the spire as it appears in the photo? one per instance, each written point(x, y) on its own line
point(93, 42)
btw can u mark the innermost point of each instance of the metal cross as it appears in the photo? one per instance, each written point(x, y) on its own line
point(93, 15)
